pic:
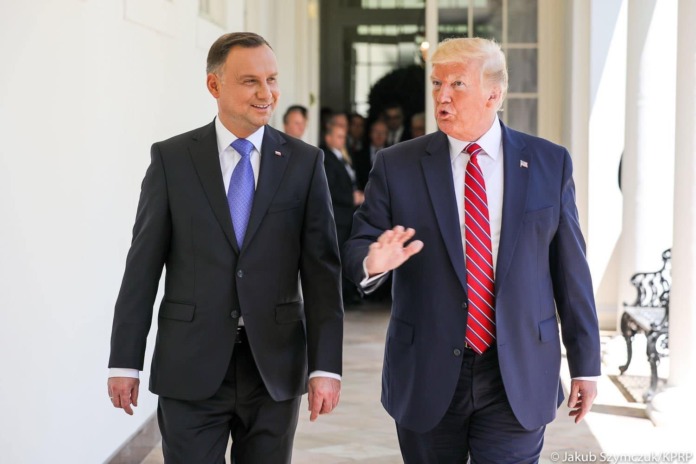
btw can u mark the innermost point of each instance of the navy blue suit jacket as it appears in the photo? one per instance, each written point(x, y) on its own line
point(541, 277)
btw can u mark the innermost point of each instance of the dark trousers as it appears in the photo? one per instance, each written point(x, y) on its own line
point(262, 429)
point(479, 426)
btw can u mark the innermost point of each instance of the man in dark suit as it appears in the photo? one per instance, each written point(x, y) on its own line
point(487, 256)
point(393, 115)
point(236, 211)
point(364, 159)
point(345, 196)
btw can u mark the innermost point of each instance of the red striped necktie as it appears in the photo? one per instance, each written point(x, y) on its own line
point(480, 327)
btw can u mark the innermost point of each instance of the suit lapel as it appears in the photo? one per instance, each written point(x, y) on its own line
point(206, 159)
point(437, 168)
point(516, 179)
point(274, 160)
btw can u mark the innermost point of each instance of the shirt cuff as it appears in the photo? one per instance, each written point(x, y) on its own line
point(121, 372)
point(330, 375)
point(591, 379)
point(370, 284)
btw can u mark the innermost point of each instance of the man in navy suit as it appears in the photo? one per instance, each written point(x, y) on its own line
point(452, 396)
point(238, 213)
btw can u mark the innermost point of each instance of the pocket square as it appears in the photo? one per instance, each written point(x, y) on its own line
point(523, 164)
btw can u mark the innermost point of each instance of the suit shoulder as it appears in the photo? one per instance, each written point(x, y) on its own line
point(538, 143)
point(295, 145)
point(414, 147)
point(186, 137)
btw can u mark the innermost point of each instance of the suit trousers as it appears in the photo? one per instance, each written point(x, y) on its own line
point(479, 425)
point(262, 429)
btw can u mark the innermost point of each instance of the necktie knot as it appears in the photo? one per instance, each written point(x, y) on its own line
point(243, 147)
point(473, 149)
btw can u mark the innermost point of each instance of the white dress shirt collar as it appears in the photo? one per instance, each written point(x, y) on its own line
point(225, 137)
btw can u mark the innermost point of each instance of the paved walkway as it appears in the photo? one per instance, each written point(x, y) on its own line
point(361, 431)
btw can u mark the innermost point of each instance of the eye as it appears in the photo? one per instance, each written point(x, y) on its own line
point(458, 84)
point(272, 80)
point(436, 84)
point(249, 81)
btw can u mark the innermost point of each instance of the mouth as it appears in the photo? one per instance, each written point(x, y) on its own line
point(262, 107)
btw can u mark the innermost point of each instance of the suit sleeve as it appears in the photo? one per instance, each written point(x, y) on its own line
point(320, 273)
point(146, 258)
point(370, 221)
point(573, 286)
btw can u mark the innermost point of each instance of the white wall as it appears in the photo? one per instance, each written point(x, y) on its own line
point(292, 29)
point(84, 91)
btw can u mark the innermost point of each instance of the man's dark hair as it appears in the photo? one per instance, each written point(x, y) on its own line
point(221, 48)
point(292, 108)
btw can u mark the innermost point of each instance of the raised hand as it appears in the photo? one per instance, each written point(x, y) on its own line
point(389, 252)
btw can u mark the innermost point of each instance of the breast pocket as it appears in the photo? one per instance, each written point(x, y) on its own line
point(284, 205)
point(544, 214)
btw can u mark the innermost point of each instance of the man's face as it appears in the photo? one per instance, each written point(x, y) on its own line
point(378, 134)
point(417, 127)
point(464, 106)
point(336, 139)
point(296, 124)
point(394, 118)
point(246, 89)
point(357, 127)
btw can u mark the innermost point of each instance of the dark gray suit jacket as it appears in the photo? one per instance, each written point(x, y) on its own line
point(183, 224)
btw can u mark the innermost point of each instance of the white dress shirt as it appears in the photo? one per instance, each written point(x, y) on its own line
point(229, 157)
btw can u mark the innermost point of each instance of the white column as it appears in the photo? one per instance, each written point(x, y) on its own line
point(670, 406)
point(648, 161)
point(431, 37)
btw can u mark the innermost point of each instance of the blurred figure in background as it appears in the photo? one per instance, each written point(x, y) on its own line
point(295, 121)
point(363, 159)
point(356, 133)
point(345, 196)
point(394, 117)
point(417, 125)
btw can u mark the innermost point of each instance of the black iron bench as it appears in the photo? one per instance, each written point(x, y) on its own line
point(649, 314)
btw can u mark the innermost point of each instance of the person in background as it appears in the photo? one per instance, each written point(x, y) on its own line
point(345, 196)
point(251, 317)
point(356, 133)
point(364, 159)
point(478, 225)
point(295, 121)
point(417, 125)
point(393, 115)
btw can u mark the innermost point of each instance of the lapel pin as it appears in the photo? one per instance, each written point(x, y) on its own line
point(523, 164)
point(277, 153)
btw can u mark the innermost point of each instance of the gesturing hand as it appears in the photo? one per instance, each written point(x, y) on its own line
point(389, 252)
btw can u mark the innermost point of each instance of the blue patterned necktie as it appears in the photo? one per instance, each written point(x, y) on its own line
point(240, 195)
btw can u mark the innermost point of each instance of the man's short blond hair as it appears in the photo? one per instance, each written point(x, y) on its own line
point(487, 52)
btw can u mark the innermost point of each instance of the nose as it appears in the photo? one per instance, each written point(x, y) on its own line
point(443, 94)
point(264, 91)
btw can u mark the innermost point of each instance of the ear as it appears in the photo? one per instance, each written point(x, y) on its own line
point(494, 96)
point(213, 83)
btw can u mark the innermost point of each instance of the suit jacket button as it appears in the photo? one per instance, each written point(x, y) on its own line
point(235, 314)
point(465, 305)
point(240, 273)
point(457, 352)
